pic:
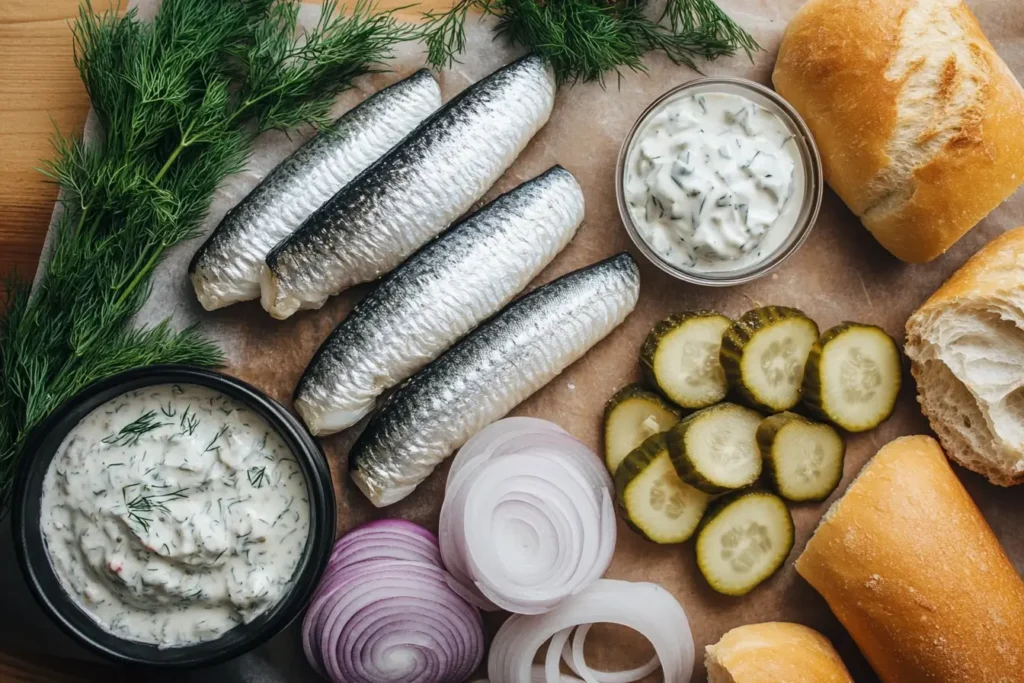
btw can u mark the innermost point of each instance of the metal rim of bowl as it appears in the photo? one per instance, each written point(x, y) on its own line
point(43, 444)
point(815, 180)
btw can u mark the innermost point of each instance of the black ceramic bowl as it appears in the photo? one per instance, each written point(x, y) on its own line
point(32, 555)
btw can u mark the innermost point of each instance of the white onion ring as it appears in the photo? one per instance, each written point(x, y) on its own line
point(573, 657)
point(384, 613)
point(645, 607)
point(527, 519)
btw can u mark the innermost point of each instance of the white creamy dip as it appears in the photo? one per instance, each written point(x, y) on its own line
point(711, 182)
point(173, 513)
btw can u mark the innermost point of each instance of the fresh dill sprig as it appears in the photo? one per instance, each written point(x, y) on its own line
point(179, 101)
point(189, 421)
point(584, 40)
point(140, 505)
point(257, 476)
point(212, 446)
point(130, 434)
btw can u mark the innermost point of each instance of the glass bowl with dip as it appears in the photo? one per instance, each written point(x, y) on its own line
point(172, 516)
point(719, 181)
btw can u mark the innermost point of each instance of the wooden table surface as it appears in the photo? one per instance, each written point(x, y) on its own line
point(40, 90)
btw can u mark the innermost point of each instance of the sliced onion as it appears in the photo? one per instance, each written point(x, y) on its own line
point(645, 607)
point(574, 659)
point(380, 617)
point(527, 519)
point(387, 538)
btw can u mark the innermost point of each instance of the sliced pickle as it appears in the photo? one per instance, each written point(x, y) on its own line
point(652, 497)
point(764, 354)
point(744, 539)
point(715, 449)
point(681, 357)
point(630, 416)
point(802, 459)
point(853, 377)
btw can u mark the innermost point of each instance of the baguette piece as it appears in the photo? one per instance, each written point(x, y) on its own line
point(916, 116)
point(775, 652)
point(912, 570)
point(966, 346)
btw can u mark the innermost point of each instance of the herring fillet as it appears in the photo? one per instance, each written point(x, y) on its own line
point(487, 374)
point(437, 296)
point(226, 269)
point(412, 193)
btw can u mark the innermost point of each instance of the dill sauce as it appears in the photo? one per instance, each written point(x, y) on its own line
point(710, 182)
point(173, 513)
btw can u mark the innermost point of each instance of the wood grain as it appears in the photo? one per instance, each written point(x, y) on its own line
point(40, 92)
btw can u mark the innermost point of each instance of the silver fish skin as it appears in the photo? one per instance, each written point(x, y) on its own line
point(413, 192)
point(436, 297)
point(487, 374)
point(226, 269)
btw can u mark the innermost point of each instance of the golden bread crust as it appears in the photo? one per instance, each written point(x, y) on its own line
point(912, 570)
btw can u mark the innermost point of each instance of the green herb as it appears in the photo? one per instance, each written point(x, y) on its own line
point(586, 39)
point(188, 422)
point(130, 434)
point(140, 505)
point(257, 475)
point(216, 437)
point(179, 101)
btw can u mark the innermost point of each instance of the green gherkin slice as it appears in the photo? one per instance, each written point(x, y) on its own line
point(681, 358)
point(654, 501)
point(715, 449)
point(744, 538)
point(630, 416)
point(853, 377)
point(802, 459)
point(764, 354)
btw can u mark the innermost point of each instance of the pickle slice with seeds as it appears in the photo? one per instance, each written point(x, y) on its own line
point(764, 354)
point(654, 501)
point(681, 358)
point(802, 459)
point(744, 539)
point(853, 377)
point(715, 449)
point(630, 416)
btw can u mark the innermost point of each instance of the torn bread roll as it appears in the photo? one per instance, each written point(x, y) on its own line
point(912, 570)
point(917, 118)
point(775, 652)
point(966, 346)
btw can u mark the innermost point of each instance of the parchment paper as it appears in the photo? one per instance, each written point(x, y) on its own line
point(840, 274)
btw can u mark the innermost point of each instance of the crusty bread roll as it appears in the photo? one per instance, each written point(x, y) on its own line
point(917, 118)
point(966, 346)
point(775, 652)
point(912, 570)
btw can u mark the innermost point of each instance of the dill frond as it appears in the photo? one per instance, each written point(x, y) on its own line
point(585, 40)
point(179, 101)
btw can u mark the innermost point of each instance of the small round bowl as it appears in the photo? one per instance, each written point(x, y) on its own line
point(809, 171)
point(34, 559)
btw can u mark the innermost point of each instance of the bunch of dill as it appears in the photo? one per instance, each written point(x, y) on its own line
point(179, 101)
point(586, 39)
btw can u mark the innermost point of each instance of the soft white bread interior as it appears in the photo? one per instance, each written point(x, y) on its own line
point(966, 346)
point(917, 118)
point(774, 652)
point(912, 570)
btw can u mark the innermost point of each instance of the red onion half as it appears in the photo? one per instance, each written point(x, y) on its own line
point(645, 607)
point(527, 519)
point(384, 612)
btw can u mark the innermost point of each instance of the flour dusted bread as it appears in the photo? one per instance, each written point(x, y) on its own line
point(966, 346)
point(775, 652)
point(917, 118)
point(912, 570)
